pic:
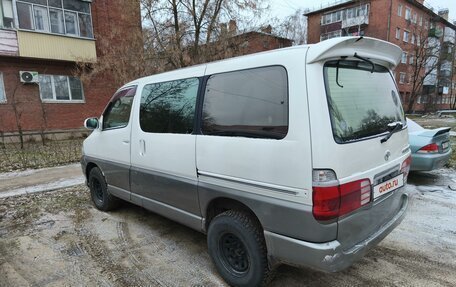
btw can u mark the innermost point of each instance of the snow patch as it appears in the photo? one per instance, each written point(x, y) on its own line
point(62, 183)
point(27, 172)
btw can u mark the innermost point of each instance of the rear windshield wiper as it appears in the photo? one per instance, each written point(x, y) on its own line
point(365, 60)
point(392, 128)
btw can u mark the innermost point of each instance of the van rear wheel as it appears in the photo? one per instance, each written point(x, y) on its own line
point(101, 198)
point(237, 248)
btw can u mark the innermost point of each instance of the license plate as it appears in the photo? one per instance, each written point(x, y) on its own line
point(388, 186)
point(445, 145)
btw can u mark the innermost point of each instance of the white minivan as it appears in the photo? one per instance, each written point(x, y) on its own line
point(298, 155)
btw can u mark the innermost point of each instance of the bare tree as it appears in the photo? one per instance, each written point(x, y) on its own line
point(175, 34)
point(294, 27)
point(186, 32)
point(425, 55)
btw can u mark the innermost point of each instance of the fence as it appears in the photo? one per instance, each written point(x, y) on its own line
point(39, 150)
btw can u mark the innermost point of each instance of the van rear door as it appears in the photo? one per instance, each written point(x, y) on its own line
point(359, 135)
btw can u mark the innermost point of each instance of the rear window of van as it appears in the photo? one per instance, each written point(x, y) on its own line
point(362, 100)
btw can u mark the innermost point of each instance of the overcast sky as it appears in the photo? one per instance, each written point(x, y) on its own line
point(282, 8)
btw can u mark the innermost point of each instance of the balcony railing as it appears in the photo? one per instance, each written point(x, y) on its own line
point(355, 21)
point(8, 43)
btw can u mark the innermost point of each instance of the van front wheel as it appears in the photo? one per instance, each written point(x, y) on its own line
point(237, 248)
point(101, 198)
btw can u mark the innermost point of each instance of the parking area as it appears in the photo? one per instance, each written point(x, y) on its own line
point(59, 239)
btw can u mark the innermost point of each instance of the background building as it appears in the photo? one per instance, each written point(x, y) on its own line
point(42, 46)
point(425, 76)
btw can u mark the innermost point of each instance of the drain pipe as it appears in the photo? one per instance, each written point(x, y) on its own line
point(389, 21)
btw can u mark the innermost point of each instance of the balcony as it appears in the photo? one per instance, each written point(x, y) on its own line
point(55, 47)
point(449, 35)
point(8, 43)
point(435, 32)
point(355, 21)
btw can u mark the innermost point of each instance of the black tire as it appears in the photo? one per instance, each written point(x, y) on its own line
point(101, 198)
point(237, 248)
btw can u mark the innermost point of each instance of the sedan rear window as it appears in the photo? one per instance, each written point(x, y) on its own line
point(362, 100)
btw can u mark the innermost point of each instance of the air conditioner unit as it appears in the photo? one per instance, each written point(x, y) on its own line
point(29, 77)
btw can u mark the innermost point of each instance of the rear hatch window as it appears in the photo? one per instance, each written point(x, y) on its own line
point(362, 99)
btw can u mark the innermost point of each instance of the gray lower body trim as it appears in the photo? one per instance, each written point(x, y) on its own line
point(173, 190)
point(277, 215)
point(116, 174)
point(171, 212)
point(331, 256)
point(119, 192)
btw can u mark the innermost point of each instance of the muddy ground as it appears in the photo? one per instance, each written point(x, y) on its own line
point(59, 239)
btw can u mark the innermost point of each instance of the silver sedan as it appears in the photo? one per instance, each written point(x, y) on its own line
point(431, 148)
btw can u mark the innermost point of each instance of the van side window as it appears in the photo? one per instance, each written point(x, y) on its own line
point(169, 107)
point(248, 103)
point(117, 113)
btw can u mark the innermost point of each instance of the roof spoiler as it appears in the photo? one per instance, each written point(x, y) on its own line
point(434, 132)
point(366, 47)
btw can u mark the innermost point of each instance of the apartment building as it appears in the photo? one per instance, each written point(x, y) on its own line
point(41, 44)
point(417, 29)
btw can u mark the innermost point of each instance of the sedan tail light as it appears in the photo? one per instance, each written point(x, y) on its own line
point(430, 148)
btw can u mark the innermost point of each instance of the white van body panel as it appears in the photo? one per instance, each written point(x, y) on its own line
point(265, 163)
point(363, 46)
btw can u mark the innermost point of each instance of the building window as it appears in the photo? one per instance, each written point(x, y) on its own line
point(399, 10)
point(2, 90)
point(406, 36)
point(398, 33)
point(411, 59)
point(60, 88)
point(418, 40)
point(66, 17)
point(330, 35)
point(6, 14)
point(421, 20)
point(413, 39)
point(404, 58)
point(402, 77)
point(169, 107)
point(408, 13)
point(337, 16)
point(249, 103)
point(426, 24)
point(414, 18)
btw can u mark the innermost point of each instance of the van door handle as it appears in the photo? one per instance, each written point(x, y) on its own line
point(126, 141)
point(142, 147)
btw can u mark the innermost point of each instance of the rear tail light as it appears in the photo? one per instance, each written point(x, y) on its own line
point(332, 200)
point(405, 168)
point(430, 148)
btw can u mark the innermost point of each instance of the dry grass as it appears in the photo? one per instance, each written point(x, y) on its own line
point(37, 155)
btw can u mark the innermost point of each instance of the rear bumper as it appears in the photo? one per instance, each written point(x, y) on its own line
point(429, 161)
point(329, 256)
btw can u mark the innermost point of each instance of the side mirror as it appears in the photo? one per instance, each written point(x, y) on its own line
point(91, 123)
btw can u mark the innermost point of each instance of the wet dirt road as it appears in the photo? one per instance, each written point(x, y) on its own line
point(59, 239)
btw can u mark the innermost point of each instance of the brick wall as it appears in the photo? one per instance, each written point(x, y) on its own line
point(113, 21)
point(36, 115)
